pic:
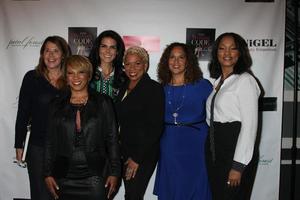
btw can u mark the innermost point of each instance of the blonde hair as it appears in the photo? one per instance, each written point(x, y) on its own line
point(81, 63)
point(139, 51)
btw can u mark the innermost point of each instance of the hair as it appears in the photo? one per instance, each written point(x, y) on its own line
point(119, 76)
point(244, 61)
point(81, 63)
point(63, 46)
point(41, 68)
point(193, 71)
point(139, 51)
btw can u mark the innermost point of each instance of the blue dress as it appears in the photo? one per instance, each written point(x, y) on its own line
point(181, 171)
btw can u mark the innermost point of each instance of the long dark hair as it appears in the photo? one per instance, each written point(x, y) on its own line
point(244, 61)
point(119, 76)
point(193, 71)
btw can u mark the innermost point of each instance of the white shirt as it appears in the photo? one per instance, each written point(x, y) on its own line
point(237, 100)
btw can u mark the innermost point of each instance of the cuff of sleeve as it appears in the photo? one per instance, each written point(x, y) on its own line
point(238, 166)
point(116, 174)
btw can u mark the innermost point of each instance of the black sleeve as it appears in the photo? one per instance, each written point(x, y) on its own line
point(50, 147)
point(111, 138)
point(24, 109)
point(154, 122)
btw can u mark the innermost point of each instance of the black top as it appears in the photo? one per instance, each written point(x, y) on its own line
point(78, 167)
point(141, 119)
point(99, 139)
point(34, 98)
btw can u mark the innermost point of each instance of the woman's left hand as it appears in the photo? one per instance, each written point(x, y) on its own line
point(111, 182)
point(131, 169)
point(234, 178)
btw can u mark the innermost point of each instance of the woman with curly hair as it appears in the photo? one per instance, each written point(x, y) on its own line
point(181, 172)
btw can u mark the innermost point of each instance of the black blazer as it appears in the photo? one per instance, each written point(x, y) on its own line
point(141, 119)
point(99, 128)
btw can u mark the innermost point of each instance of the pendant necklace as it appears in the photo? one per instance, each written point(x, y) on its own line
point(176, 108)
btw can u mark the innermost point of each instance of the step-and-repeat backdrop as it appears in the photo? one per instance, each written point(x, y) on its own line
point(24, 24)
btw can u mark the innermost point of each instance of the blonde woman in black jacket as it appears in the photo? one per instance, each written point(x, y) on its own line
point(140, 108)
point(82, 136)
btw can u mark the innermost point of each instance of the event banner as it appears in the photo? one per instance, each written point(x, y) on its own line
point(24, 25)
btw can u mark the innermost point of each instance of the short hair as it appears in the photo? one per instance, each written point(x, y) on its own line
point(193, 71)
point(81, 63)
point(63, 46)
point(139, 51)
point(244, 61)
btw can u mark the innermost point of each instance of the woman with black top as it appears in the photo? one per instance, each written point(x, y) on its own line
point(140, 108)
point(38, 88)
point(107, 59)
point(232, 112)
point(81, 137)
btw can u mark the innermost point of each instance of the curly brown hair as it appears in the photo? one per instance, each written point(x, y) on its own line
point(193, 71)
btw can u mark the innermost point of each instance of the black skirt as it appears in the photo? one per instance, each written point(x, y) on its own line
point(90, 188)
point(80, 183)
point(225, 137)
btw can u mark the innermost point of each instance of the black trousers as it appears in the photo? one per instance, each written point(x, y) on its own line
point(35, 159)
point(226, 135)
point(135, 188)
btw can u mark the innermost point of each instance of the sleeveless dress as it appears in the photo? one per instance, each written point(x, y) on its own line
point(181, 171)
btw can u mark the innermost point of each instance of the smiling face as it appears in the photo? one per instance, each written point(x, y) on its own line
point(228, 53)
point(135, 67)
point(77, 78)
point(107, 50)
point(177, 61)
point(52, 56)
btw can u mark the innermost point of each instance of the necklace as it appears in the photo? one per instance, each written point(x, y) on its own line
point(106, 74)
point(79, 100)
point(175, 108)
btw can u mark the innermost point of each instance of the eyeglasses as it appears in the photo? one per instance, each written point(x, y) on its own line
point(22, 164)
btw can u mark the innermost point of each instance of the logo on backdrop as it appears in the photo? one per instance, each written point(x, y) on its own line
point(268, 44)
point(150, 43)
point(265, 161)
point(81, 39)
point(27, 42)
point(201, 40)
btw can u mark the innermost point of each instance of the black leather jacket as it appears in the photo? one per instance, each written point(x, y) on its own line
point(99, 127)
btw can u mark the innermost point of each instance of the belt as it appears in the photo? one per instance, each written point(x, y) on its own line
point(188, 124)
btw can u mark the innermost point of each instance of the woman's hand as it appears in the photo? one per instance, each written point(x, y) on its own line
point(234, 178)
point(111, 182)
point(19, 153)
point(131, 169)
point(52, 186)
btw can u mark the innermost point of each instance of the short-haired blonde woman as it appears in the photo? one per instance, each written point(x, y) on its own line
point(140, 108)
point(82, 135)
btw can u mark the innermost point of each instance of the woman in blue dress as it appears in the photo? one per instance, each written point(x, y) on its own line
point(181, 172)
